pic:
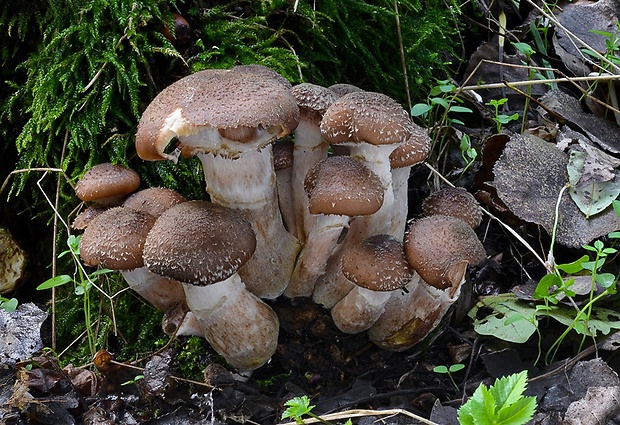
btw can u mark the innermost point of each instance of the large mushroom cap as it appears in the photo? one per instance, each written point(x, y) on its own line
point(241, 104)
point(115, 239)
point(377, 263)
point(105, 181)
point(455, 202)
point(343, 185)
point(439, 248)
point(368, 117)
point(199, 243)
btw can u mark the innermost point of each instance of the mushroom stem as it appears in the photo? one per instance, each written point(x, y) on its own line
point(312, 262)
point(400, 187)
point(161, 292)
point(410, 316)
point(237, 324)
point(359, 309)
point(254, 192)
point(309, 148)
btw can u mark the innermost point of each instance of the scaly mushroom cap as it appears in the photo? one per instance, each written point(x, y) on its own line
point(343, 185)
point(154, 200)
point(344, 88)
point(439, 248)
point(368, 117)
point(313, 100)
point(115, 239)
point(199, 243)
point(106, 181)
point(455, 202)
point(377, 263)
point(413, 151)
point(242, 104)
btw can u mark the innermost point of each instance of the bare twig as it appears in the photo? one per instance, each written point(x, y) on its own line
point(357, 413)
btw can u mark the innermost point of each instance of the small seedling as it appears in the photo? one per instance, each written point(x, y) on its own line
point(82, 283)
point(449, 371)
point(502, 403)
point(133, 381)
point(297, 407)
point(9, 305)
point(501, 119)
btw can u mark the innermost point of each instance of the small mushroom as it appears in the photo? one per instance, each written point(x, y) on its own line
point(376, 266)
point(107, 184)
point(154, 200)
point(337, 188)
point(454, 202)
point(440, 248)
point(203, 245)
point(344, 88)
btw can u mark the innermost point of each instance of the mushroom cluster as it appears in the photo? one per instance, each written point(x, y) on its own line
point(321, 218)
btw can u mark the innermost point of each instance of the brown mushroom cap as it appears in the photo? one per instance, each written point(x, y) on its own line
point(106, 181)
point(343, 185)
point(413, 151)
point(199, 243)
point(154, 200)
point(455, 202)
point(313, 100)
point(440, 247)
point(115, 239)
point(366, 117)
point(377, 263)
point(344, 88)
point(240, 103)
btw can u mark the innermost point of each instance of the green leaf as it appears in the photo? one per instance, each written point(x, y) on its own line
point(440, 369)
point(547, 282)
point(502, 307)
point(605, 279)
point(574, 267)
point(517, 413)
point(55, 281)
point(456, 367)
point(440, 101)
point(9, 305)
point(297, 407)
point(509, 389)
point(420, 109)
point(456, 108)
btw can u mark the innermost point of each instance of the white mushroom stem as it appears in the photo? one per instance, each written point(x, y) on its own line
point(161, 292)
point(312, 262)
point(400, 208)
point(309, 148)
point(410, 316)
point(331, 287)
point(248, 184)
point(359, 309)
point(237, 324)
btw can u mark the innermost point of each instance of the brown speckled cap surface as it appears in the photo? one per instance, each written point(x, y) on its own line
point(343, 185)
point(106, 180)
point(199, 243)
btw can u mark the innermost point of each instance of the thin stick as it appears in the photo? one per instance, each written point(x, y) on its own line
point(402, 53)
point(608, 77)
point(356, 413)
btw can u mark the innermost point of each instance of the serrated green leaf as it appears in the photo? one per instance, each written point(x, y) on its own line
point(517, 413)
point(508, 389)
